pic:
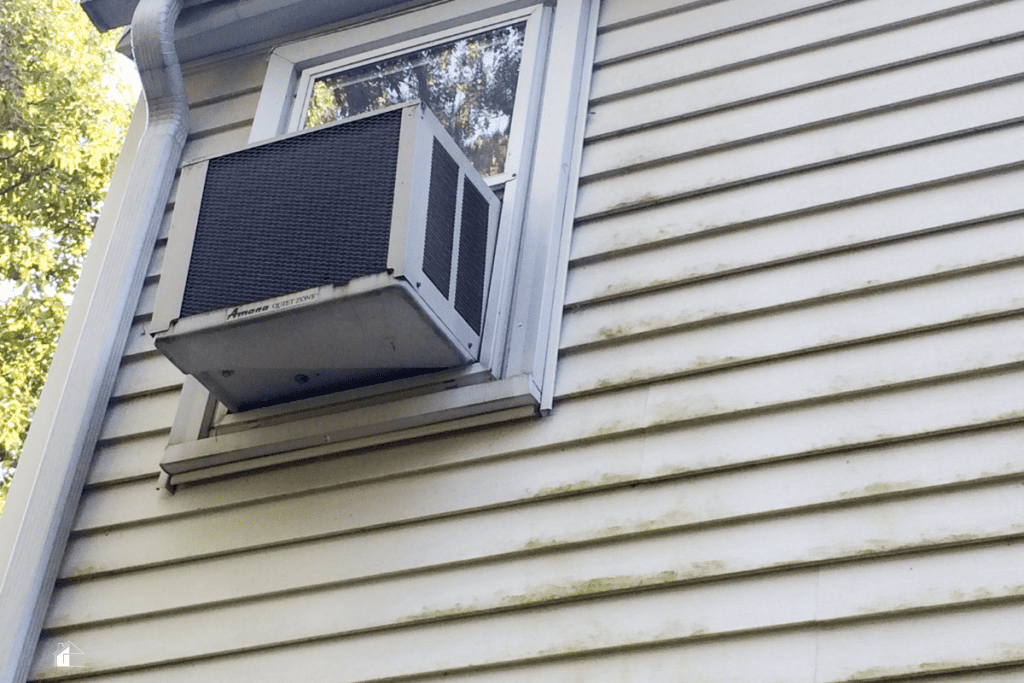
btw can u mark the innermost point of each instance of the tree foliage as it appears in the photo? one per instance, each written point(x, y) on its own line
point(63, 115)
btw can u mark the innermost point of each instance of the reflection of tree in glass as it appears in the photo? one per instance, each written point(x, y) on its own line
point(469, 84)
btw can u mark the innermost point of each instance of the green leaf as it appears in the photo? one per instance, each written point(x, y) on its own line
point(63, 116)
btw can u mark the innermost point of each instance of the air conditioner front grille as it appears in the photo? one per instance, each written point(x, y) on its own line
point(298, 213)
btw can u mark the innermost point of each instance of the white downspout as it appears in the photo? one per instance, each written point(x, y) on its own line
point(67, 424)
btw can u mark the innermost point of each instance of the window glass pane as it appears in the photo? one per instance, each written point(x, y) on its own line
point(469, 84)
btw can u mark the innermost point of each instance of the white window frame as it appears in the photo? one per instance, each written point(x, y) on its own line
point(515, 376)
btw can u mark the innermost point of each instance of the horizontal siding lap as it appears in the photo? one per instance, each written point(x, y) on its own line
point(786, 656)
point(165, 224)
point(711, 250)
point(768, 326)
point(139, 341)
point(144, 414)
point(700, 659)
point(147, 298)
point(971, 574)
point(615, 13)
point(702, 608)
point(687, 24)
point(819, 330)
point(147, 374)
point(840, 272)
point(905, 645)
point(223, 114)
point(855, 183)
point(218, 79)
point(753, 659)
point(794, 188)
point(754, 489)
point(221, 141)
point(836, 424)
point(880, 134)
point(786, 599)
point(937, 95)
point(833, 425)
point(927, 643)
point(533, 471)
point(768, 41)
point(831, 63)
point(856, 368)
point(131, 459)
point(474, 485)
point(156, 262)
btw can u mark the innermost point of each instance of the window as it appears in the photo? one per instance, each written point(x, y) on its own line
point(508, 80)
point(468, 82)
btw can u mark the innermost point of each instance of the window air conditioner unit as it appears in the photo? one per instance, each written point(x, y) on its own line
point(336, 257)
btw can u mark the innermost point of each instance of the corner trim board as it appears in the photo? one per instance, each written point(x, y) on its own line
point(59, 447)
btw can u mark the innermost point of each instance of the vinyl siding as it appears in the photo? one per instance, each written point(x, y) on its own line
point(222, 98)
point(786, 445)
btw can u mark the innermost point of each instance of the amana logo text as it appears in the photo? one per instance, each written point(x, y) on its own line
point(249, 311)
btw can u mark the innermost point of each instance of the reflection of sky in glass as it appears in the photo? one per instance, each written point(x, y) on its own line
point(469, 84)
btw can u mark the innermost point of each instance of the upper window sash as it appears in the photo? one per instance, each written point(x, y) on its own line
point(307, 77)
point(294, 67)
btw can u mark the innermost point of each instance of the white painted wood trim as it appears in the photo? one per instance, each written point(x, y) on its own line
point(195, 411)
point(548, 185)
point(351, 429)
point(275, 100)
point(549, 338)
point(408, 26)
point(490, 418)
point(57, 452)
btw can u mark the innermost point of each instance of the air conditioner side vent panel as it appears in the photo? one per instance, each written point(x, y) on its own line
point(442, 202)
point(472, 263)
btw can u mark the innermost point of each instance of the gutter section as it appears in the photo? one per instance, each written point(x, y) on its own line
point(66, 426)
point(209, 27)
point(108, 14)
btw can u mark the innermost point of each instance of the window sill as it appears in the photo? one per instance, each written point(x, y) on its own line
point(275, 436)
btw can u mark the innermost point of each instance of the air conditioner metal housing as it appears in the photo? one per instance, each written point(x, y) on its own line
point(339, 256)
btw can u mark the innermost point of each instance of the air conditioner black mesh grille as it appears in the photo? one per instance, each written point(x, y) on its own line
point(302, 212)
point(469, 283)
point(440, 230)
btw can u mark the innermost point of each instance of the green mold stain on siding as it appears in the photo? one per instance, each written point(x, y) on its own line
point(604, 481)
point(609, 333)
point(577, 589)
point(878, 488)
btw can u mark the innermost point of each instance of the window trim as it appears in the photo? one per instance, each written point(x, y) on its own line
point(524, 309)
